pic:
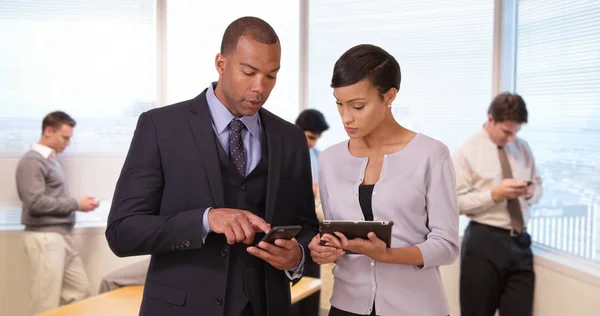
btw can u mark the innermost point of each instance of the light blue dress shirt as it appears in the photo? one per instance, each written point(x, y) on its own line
point(314, 163)
point(251, 136)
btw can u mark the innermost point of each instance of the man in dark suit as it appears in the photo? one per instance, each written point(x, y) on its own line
point(203, 181)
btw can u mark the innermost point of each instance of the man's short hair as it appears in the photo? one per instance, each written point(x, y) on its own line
point(254, 27)
point(56, 120)
point(312, 121)
point(508, 107)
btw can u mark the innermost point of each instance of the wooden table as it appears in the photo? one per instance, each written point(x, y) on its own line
point(126, 301)
point(122, 301)
point(304, 288)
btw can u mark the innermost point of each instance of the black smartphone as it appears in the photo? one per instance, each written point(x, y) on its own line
point(527, 183)
point(282, 232)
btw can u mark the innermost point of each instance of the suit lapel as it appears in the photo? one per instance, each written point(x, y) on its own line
point(274, 156)
point(205, 140)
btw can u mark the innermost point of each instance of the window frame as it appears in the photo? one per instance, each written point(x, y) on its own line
point(505, 67)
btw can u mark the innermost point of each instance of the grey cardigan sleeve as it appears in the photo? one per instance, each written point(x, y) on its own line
point(441, 246)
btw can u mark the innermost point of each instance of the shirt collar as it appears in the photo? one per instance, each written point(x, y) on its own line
point(43, 150)
point(221, 115)
point(485, 136)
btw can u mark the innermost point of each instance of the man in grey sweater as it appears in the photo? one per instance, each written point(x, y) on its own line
point(58, 276)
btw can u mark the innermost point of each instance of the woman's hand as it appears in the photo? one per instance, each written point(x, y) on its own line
point(372, 247)
point(323, 254)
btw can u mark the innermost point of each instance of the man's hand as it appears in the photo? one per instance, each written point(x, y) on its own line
point(530, 190)
point(236, 225)
point(372, 247)
point(509, 189)
point(283, 255)
point(323, 254)
point(87, 203)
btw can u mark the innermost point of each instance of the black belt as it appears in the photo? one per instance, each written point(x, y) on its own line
point(523, 238)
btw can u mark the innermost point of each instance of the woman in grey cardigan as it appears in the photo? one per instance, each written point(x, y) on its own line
point(389, 173)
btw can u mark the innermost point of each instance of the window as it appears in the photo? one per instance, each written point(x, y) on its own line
point(95, 60)
point(558, 75)
point(194, 33)
point(445, 59)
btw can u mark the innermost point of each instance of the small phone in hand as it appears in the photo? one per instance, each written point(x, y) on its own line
point(282, 232)
point(527, 183)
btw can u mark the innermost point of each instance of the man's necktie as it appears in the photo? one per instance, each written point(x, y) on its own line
point(237, 154)
point(514, 206)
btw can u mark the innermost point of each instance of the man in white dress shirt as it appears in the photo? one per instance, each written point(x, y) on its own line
point(497, 181)
point(57, 272)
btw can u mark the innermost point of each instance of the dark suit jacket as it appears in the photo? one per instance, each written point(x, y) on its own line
point(169, 178)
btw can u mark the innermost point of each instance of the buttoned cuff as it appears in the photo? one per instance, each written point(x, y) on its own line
point(296, 272)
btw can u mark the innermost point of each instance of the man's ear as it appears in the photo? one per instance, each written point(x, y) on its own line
point(490, 119)
point(220, 63)
point(48, 131)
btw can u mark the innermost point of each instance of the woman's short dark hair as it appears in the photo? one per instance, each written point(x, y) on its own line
point(508, 107)
point(367, 62)
point(56, 120)
point(313, 121)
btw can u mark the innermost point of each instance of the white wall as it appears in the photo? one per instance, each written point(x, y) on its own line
point(559, 294)
point(86, 175)
point(14, 268)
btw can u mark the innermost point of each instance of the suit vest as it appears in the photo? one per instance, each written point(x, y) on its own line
point(246, 274)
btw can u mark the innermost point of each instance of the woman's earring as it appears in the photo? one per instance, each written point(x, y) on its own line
point(389, 105)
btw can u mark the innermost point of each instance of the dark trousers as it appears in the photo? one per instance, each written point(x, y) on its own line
point(333, 311)
point(309, 306)
point(496, 272)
